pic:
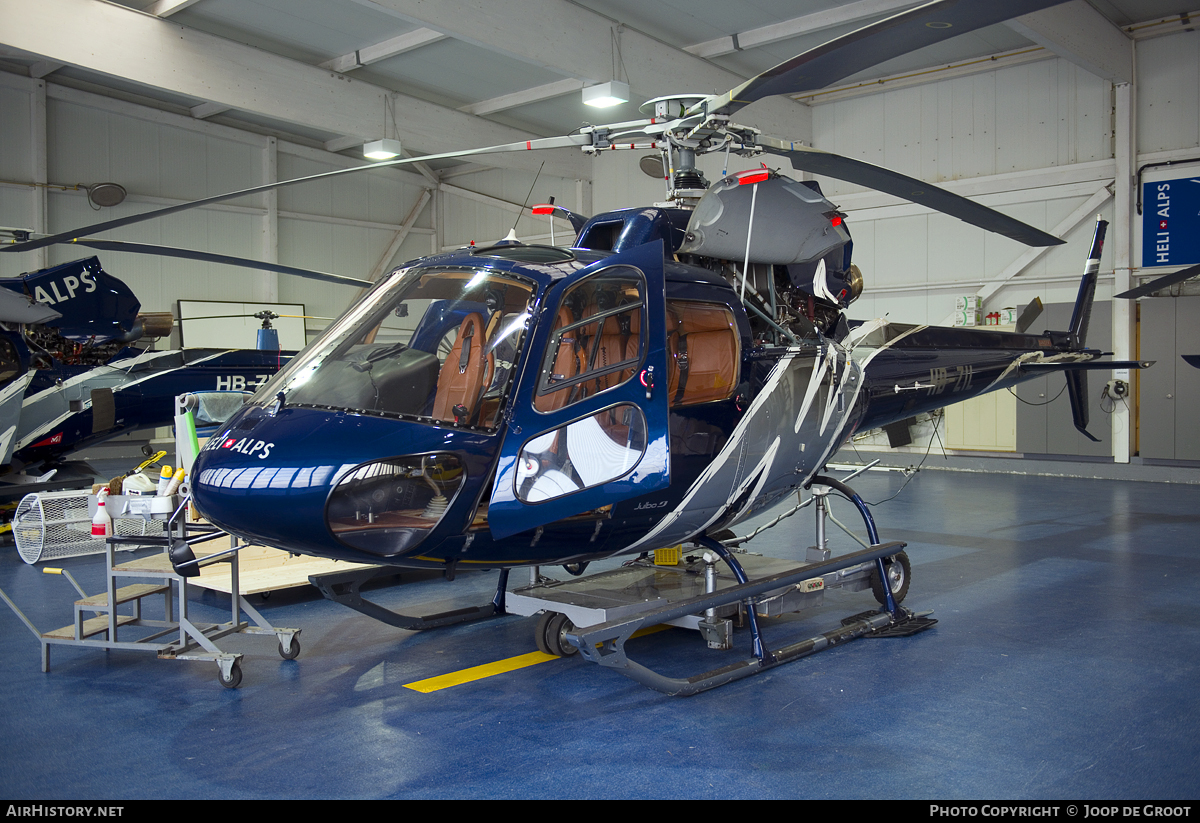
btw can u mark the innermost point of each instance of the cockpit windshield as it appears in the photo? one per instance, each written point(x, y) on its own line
point(435, 345)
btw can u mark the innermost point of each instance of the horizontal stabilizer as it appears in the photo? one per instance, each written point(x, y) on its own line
point(1090, 365)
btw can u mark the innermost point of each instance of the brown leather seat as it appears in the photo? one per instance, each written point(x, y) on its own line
point(703, 351)
point(568, 362)
point(464, 374)
point(620, 338)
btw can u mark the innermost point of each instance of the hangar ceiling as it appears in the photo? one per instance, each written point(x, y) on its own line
point(458, 74)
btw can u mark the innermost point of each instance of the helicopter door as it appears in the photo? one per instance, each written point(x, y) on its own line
point(589, 423)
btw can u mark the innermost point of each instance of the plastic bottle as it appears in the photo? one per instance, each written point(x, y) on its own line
point(102, 526)
point(164, 480)
point(176, 479)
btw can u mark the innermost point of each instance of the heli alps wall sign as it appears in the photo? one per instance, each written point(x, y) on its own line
point(1171, 222)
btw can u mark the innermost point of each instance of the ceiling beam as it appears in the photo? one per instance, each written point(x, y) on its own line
point(382, 51)
point(206, 110)
point(165, 8)
point(114, 40)
point(1078, 33)
point(654, 67)
point(43, 67)
point(805, 24)
point(522, 98)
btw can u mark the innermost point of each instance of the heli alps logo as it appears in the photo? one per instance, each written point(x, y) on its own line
point(248, 446)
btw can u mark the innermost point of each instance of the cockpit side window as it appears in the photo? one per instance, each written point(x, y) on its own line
point(596, 343)
point(438, 346)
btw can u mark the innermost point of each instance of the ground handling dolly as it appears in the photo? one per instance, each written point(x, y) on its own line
point(595, 615)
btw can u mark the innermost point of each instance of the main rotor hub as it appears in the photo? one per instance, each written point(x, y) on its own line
point(672, 106)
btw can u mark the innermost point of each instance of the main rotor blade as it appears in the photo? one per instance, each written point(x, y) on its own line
point(908, 188)
point(70, 236)
point(1160, 283)
point(209, 257)
point(869, 46)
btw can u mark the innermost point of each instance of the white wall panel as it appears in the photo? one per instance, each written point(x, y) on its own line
point(1168, 99)
point(17, 203)
point(464, 219)
point(15, 133)
point(1024, 117)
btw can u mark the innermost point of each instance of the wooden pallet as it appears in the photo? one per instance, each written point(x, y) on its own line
point(266, 570)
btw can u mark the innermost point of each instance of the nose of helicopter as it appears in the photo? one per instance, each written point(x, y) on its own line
point(313, 481)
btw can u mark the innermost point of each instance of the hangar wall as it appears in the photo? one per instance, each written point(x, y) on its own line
point(358, 225)
point(1033, 140)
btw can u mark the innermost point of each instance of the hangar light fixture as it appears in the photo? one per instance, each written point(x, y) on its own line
point(606, 95)
point(384, 149)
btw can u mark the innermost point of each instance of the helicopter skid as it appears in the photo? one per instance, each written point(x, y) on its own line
point(604, 643)
point(344, 588)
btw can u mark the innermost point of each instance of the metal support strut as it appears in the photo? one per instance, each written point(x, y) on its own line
point(605, 643)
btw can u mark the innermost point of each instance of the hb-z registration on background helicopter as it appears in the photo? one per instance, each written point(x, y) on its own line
point(677, 370)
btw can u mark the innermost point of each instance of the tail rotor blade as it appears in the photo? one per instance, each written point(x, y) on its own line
point(1028, 314)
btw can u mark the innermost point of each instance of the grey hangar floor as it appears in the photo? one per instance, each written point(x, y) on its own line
point(1063, 666)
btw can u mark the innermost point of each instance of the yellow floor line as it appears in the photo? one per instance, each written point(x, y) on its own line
point(445, 681)
point(511, 664)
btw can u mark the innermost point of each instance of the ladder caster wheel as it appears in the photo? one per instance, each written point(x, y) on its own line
point(234, 679)
point(899, 574)
point(549, 635)
point(292, 651)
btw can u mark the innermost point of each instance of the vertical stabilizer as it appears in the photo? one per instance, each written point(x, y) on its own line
point(1077, 382)
point(1087, 288)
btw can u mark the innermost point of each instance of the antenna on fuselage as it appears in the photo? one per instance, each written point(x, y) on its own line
point(512, 233)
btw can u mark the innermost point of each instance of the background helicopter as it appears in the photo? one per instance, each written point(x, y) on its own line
point(795, 383)
point(77, 367)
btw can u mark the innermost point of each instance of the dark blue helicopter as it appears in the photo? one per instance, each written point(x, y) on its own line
point(583, 402)
point(675, 371)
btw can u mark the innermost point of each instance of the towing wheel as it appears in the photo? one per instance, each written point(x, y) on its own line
point(234, 679)
point(550, 634)
point(292, 651)
point(899, 574)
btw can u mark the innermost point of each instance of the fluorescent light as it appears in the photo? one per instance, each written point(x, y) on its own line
point(606, 95)
point(384, 149)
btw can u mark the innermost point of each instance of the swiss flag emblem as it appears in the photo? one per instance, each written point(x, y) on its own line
point(1162, 224)
point(228, 443)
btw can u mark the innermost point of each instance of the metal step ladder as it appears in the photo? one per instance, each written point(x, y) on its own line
point(189, 640)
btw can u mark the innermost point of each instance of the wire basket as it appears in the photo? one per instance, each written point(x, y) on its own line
point(54, 525)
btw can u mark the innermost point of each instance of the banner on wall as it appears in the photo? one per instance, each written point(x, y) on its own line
point(1171, 222)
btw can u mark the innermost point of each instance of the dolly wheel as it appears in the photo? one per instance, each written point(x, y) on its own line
point(234, 679)
point(899, 574)
point(550, 635)
point(292, 651)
